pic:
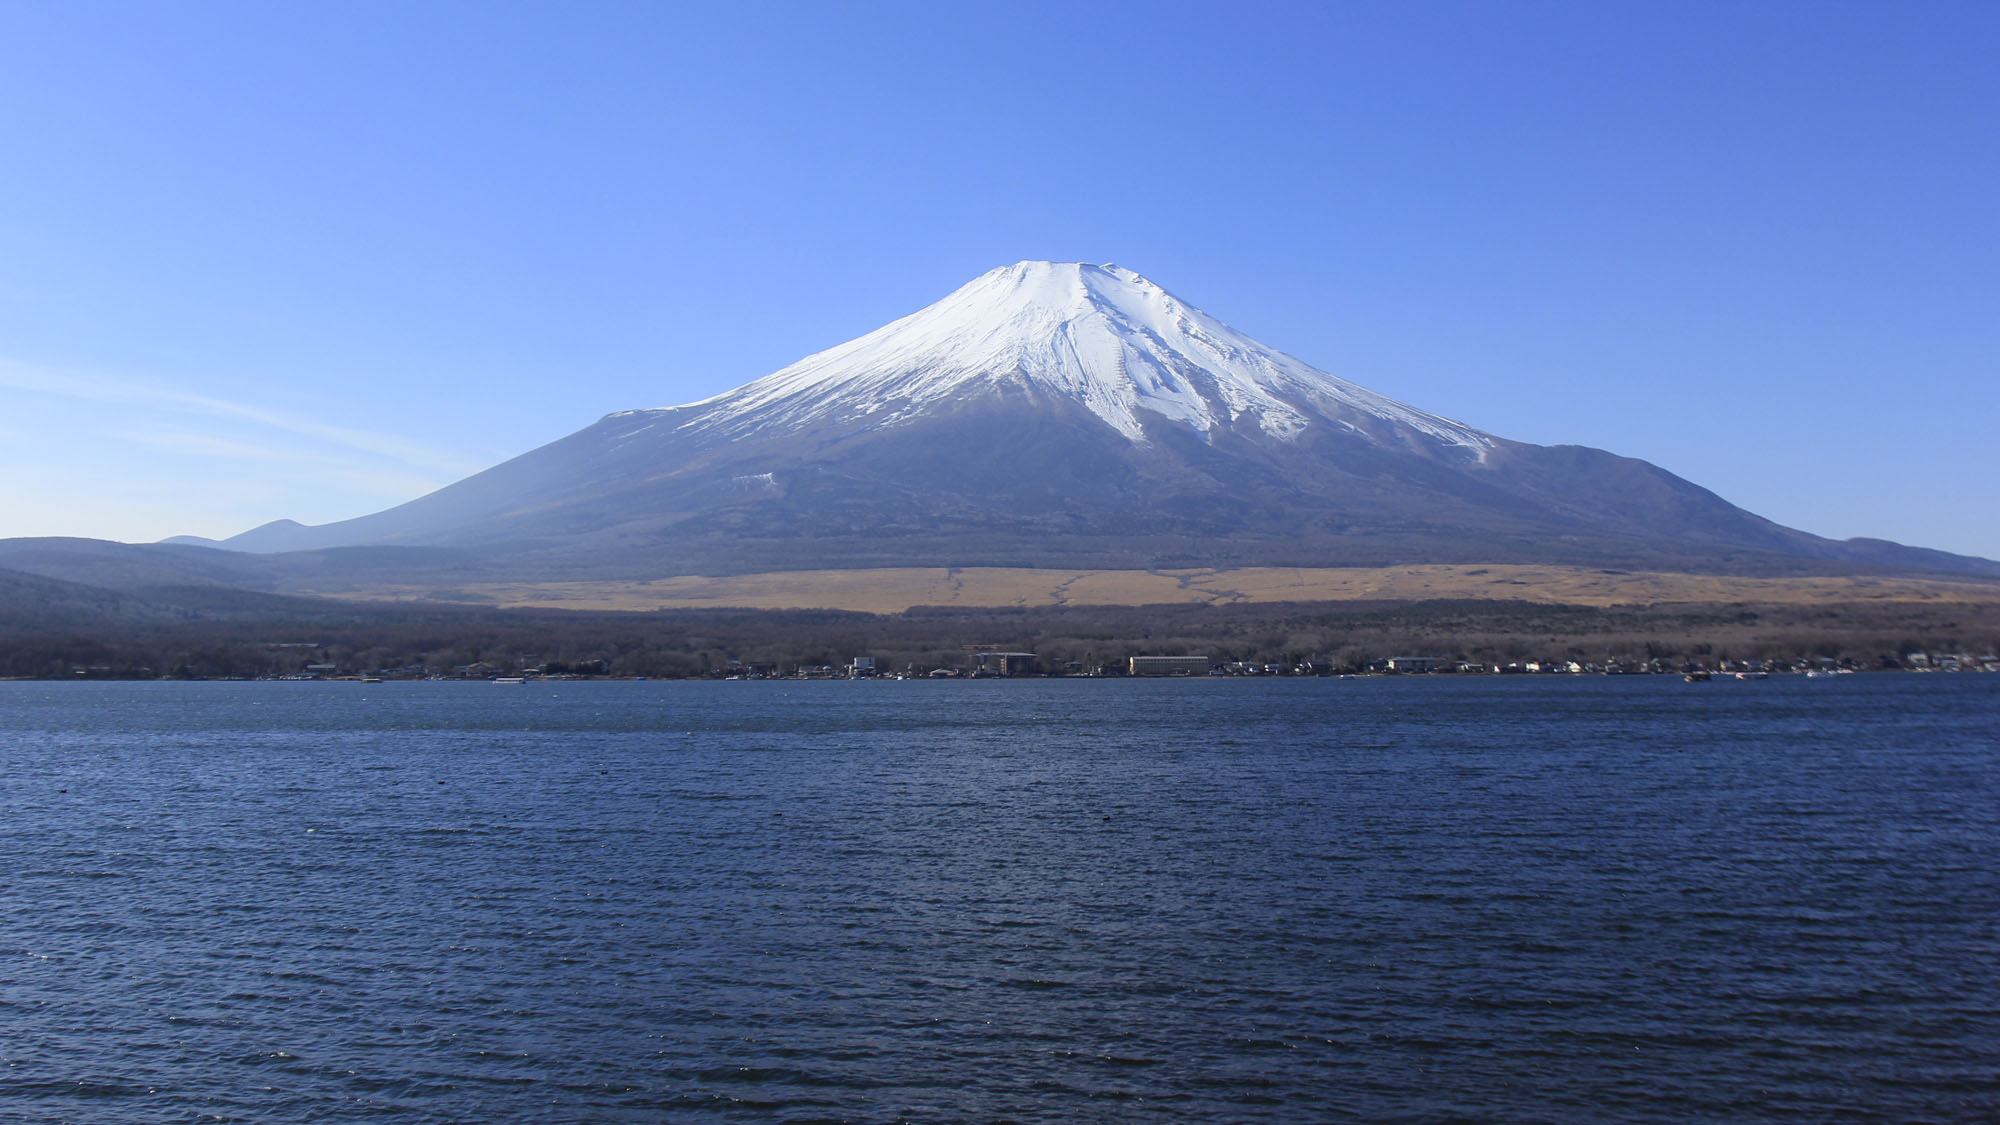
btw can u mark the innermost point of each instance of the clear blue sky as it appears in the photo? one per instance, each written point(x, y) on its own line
point(309, 260)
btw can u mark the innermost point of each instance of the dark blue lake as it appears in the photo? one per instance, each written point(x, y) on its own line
point(1431, 899)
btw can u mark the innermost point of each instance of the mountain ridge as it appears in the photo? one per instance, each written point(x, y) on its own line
point(1067, 414)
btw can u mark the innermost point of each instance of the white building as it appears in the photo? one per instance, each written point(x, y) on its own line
point(1169, 666)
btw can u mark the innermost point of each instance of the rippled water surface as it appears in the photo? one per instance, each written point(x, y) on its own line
point(1615, 898)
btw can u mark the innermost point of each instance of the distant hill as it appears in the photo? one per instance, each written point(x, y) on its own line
point(33, 603)
point(136, 567)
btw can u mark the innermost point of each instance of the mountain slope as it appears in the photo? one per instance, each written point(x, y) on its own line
point(1074, 415)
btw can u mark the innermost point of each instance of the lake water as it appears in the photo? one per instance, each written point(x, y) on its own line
point(1431, 899)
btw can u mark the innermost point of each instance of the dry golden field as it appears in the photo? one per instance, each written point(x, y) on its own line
point(896, 590)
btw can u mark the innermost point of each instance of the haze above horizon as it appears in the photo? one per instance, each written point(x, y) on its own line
point(311, 261)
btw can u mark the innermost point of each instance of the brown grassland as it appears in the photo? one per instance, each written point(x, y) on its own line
point(897, 590)
point(921, 619)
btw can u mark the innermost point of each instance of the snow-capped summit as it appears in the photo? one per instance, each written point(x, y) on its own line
point(1099, 335)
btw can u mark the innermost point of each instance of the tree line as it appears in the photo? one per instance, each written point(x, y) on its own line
point(1350, 636)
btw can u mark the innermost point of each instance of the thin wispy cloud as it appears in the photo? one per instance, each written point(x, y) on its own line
point(354, 473)
point(209, 445)
point(129, 392)
point(139, 458)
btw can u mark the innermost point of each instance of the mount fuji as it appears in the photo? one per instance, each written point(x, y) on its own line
point(1064, 414)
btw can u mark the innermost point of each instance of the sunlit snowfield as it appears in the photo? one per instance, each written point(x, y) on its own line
point(1582, 899)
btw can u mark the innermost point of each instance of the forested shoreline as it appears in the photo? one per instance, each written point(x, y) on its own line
point(295, 637)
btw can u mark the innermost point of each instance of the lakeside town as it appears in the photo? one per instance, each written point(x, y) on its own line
point(988, 662)
point(1445, 637)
